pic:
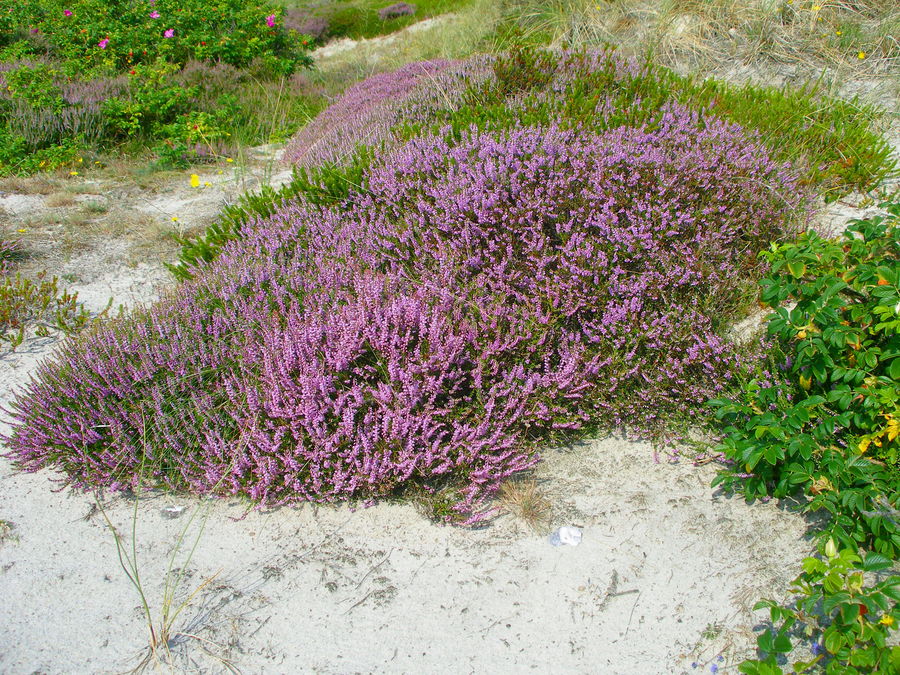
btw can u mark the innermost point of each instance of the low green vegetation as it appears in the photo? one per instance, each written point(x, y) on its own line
point(37, 305)
point(822, 424)
point(187, 79)
point(360, 19)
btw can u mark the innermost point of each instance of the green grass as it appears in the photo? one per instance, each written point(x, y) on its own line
point(358, 19)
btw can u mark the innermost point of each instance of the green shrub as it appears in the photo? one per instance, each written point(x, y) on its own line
point(87, 73)
point(39, 305)
point(822, 424)
point(846, 620)
point(114, 35)
point(826, 424)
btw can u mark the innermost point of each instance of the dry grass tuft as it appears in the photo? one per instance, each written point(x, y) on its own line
point(523, 498)
point(6, 530)
point(60, 199)
point(30, 185)
point(852, 39)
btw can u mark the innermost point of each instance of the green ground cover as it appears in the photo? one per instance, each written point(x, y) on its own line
point(188, 80)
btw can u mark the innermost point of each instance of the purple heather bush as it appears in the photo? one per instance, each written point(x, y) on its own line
point(396, 10)
point(304, 23)
point(78, 113)
point(369, 110)
point(479, 297)
point(9, 251)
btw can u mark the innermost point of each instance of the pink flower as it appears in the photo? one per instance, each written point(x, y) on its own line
point(67, 12)
point(102, 44)
point(154, 14)
point(169, 33)
point(270, 21)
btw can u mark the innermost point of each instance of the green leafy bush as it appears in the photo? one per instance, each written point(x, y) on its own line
point(89, 73)
point(826, 423)
point(39, 305)
point(846, 620)
point(118, 34)
point(822, 423)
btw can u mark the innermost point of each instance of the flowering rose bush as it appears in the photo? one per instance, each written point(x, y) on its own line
point(93, 73)
point(481, 295)
point(118, 34)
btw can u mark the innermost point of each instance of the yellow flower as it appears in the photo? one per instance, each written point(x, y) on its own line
point(220, 172)
point(80, 160)
point(73, 173)
point(837, 32)
point(21, 230)
point(174, 219)
point(229, 160)
point(195, 180)
point(887, 620)
point(861, 56)
point(816, 8)
point(207, 184)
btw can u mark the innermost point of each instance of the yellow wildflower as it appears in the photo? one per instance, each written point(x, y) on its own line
point(229, 160)
point(887, 620)
point(21, 230)
point(73, 173)
point(861, 56)
point(195, 180)
point(174, 219)
point(816, 8)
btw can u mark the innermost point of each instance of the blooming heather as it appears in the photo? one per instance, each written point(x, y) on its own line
point(396, 10)
point(81, 114)
point(368, 111)
point(301, 21)
point(9, 250)
point(481, 295)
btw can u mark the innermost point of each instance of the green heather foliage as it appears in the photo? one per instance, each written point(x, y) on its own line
point(325, 185)
point(90, 74)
